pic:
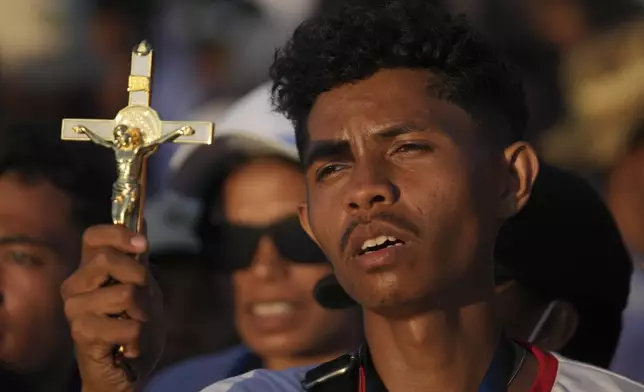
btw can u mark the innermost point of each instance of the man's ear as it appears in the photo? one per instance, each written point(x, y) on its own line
point(523, 166)
point(559, 328)
point(303, 214)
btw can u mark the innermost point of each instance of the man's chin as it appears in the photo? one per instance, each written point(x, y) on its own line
point(393, 304)
point(400, 299)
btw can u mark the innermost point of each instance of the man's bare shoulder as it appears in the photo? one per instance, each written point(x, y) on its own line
point(263, 381)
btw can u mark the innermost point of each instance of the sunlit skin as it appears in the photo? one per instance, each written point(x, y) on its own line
point(260, 193)
point(39, 248)
point(388, 158)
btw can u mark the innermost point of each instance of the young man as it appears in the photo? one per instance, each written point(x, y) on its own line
point(576, 311)
point(50, 191)
point(410, 132)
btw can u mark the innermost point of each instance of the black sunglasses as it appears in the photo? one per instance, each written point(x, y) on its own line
point(238, 243)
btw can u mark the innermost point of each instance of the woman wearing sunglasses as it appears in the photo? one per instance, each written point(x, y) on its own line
point(275, 267)
point(252, 187)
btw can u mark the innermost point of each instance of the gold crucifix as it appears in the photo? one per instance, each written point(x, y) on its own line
point(135, 133)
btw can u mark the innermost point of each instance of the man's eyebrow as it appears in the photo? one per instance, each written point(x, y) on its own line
point(395, 131)
point(24, 240)
point(320, 149)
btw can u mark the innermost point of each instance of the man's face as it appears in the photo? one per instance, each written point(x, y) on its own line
point(275, 312)
point(387, 162)
point(39, 248)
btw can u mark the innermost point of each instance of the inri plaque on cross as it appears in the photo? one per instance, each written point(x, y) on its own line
point(135, 133)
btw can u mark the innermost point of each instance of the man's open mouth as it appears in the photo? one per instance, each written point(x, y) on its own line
point(379, 243)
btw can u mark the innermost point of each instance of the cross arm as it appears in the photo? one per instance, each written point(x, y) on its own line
point(203, 131)
point(100, 131)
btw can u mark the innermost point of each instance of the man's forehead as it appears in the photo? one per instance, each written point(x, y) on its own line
point(387, 98)
point(26, 210)
point(16, 229)
point(391, 90)
point(432, 115)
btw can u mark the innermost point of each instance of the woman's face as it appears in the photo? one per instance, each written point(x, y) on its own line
point(275, 312)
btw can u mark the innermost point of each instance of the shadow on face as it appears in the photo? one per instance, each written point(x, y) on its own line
point(39, 248)
point(275, 312)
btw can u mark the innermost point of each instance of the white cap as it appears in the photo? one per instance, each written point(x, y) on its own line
point(250, 125)
point(252, 117)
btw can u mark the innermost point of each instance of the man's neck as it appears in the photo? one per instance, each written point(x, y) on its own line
point(440, 350)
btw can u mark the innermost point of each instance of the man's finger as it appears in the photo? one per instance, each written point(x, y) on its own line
point(113, 236)
point(144, 258)
point(104, 264)
point(109, 301)
point(103, 333)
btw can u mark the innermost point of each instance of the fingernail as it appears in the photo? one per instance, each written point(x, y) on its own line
point(139, 242)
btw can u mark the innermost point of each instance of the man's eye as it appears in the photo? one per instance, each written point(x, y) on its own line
point(327, 170)
point(24, 258)
point(412, 147)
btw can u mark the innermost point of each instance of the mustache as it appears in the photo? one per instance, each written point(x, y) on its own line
point(388, 217)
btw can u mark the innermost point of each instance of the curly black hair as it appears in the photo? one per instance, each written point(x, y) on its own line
point(356, 41)
point(83, 171)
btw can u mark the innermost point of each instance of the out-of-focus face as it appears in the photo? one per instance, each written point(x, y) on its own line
point(39, 248)
point(404, 195)
point(275, 312)
point(558, 22)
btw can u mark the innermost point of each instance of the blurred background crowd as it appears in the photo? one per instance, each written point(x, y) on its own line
point(222, 218)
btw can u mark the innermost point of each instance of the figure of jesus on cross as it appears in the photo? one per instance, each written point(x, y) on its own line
point(134, 135)
point(130, 152)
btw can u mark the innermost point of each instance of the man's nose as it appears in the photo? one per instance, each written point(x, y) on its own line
point(369, 189)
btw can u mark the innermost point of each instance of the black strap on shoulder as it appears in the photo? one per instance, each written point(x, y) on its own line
point(338, 375)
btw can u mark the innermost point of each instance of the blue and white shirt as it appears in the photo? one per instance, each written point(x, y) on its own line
point(555, 374)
